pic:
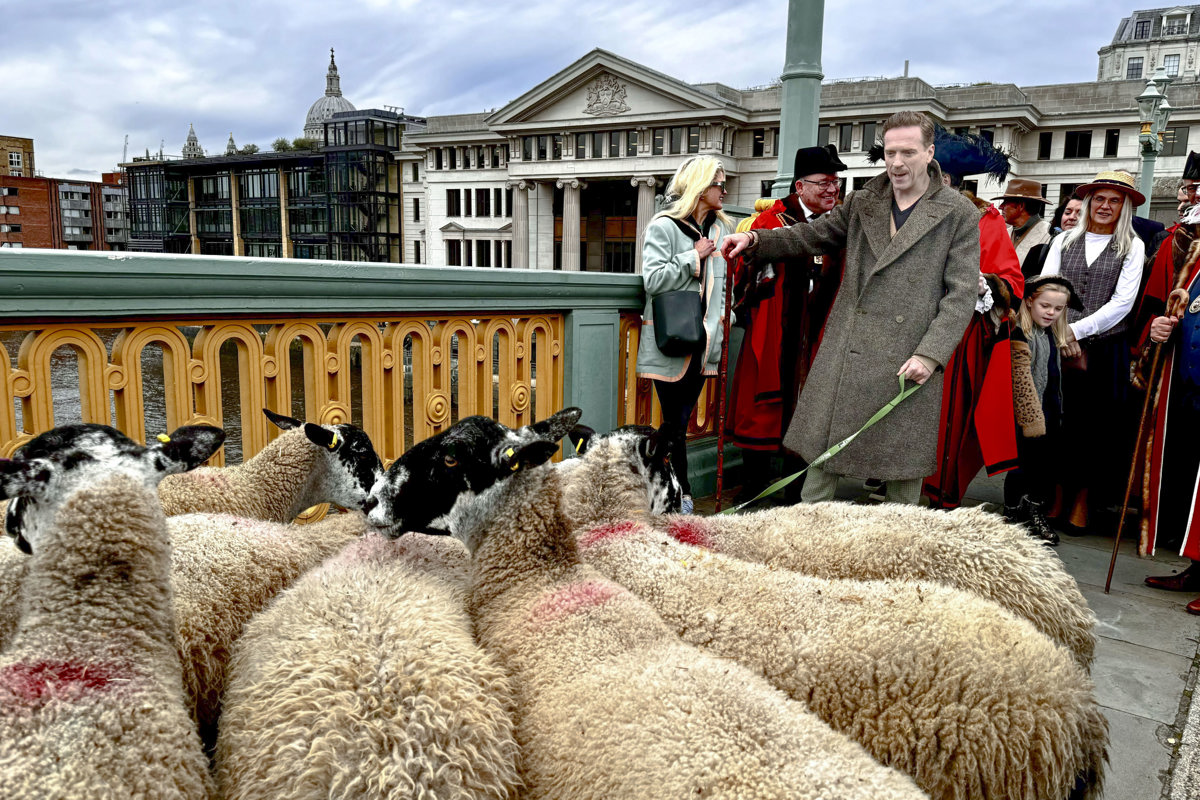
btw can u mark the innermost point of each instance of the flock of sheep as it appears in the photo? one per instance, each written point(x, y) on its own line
point(167, 632)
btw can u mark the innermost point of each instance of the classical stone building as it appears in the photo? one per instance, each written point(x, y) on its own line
point(1145, 39)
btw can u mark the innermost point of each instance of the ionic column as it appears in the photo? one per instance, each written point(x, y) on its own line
point(645, 210)
point(520, 223)
point(570, 229)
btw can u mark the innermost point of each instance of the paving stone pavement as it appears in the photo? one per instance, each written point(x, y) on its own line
point(1146, 661)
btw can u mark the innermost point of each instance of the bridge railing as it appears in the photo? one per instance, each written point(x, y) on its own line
point(150, 342)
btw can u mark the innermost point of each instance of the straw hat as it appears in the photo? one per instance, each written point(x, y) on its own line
point(1113, 179)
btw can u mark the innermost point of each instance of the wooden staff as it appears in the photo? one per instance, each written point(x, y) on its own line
point(722, 379)
point(1176, 302)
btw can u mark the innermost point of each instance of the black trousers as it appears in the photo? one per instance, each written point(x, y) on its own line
point(1040, 466)
point(678, 400)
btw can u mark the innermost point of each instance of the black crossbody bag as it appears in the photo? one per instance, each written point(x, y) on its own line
point(679, 315)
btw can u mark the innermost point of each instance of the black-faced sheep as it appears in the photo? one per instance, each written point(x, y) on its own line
point(91, 695)
point(610, 703)
point(363, 680)
point(306, 465)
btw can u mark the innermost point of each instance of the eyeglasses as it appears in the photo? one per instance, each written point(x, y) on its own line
point(823, 185)
point(719, 184)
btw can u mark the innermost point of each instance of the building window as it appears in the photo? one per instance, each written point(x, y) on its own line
point(453, 203)
point(614, 144)
point(11, 210)
point(483, 202)
point(483, 253)
point(581, 145)
point(758, 142)
point(543, 148)
point(1045, 138)
point(597, 145)
point(10, 228)
point(467, 252)
point(1142, 29)
point(508, 252)
point(495, 158)
point(14, 161)
point(453, 153)
point(1175, 141)
point(1112, 137)
point(527, 144)
point(1078, 144)
point(498, 202)
point(868, 137)
point(845, 136)
point(466, 195)
point(415, 172)
point(416, 252)
point(454, 253)
point(508, 201)
point(499, 253)
point(676, 141)
point(556, 147)
point(660, 135)
point(1175, 26)
point(693, 139)
point(437, 158)
point(1171, 63)
point(1133, 69)
point(416, 209)
point(466, 162)
point(764, 188)
point(989, 134)
point(631, 143)
point(9, 191)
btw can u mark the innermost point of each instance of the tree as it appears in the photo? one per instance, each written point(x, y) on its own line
point(281, 145)
point(305, 143)
point(248, 149)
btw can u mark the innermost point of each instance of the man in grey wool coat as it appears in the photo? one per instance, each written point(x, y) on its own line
point(908, 290)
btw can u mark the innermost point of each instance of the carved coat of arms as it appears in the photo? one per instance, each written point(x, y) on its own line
point(606, 97)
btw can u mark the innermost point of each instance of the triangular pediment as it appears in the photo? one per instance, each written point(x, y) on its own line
point(605, 86)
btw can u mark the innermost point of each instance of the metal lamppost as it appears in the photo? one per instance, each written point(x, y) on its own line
point(1154, 112)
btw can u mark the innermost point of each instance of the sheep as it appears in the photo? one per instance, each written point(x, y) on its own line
point(91, 695)
point(363, 680)
point(305, 466)
point(968, 699)
point(609, 702)
point(967, 548)
point(628, 475)
point(226, 569)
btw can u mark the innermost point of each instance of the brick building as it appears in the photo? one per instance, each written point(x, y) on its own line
point(61, 214)
point(16, 156)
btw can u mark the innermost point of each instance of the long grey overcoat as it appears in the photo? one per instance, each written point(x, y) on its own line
point(911, 294)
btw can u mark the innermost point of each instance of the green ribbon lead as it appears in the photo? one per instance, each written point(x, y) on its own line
point(837, 448)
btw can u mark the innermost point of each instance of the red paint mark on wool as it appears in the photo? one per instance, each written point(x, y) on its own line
point(572, 599)
point(602, 533)
point(690, 530)
point(36, 682)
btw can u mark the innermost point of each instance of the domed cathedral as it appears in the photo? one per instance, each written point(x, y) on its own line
point(326, 106)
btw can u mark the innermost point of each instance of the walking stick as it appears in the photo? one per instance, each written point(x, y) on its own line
point(1175, 305)
point(722, 377)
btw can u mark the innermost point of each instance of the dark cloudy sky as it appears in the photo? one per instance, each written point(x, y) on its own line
point(79, 75)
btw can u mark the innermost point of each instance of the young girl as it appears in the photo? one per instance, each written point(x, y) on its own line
point(1037, 400)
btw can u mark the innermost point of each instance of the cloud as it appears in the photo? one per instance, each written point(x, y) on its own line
point(89, 73)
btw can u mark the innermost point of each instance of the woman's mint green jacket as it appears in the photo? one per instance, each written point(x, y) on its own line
point(670, 263)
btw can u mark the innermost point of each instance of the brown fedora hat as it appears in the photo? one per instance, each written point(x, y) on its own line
point(1022, 189)
point(1112, 179)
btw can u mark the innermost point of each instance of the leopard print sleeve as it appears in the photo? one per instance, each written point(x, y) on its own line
point(1027, 406)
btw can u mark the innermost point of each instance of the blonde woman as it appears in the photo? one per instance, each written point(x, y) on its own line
point(682, 247)
point(1103, 259)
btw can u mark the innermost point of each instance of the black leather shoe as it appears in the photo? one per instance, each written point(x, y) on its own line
point(1186, 581)
point(1036, 522)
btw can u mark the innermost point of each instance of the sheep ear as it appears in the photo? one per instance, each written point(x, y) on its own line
point(530, 454)
point(282, 422)
point(659, 444)
point(190, 446)
point(16, 476)
point(581, 437)
point(556, 426)
point(322, 437)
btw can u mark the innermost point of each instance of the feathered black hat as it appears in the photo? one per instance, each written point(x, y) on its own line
point(961, 154)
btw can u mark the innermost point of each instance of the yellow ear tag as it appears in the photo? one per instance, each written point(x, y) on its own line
point(333, 444)
point(578, 445)
point(509, 453)
point(162, 437)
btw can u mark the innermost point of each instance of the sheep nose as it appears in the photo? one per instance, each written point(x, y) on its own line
point(369, 504)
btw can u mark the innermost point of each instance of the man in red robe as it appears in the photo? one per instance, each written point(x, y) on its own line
point(784, 306)
point(1170, 497)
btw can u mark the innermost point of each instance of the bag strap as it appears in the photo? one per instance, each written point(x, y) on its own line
point(692, 232)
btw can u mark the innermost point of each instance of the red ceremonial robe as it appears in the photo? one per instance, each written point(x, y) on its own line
point(785, 322)
point(1169, 433)
point(977, 428)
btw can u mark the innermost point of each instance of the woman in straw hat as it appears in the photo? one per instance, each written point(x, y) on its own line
point(1103, 258)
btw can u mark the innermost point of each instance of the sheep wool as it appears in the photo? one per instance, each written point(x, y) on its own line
point(13, 565)
point(968, 699)
point(91, 696)
point(969, 549)
point(363, 680)
point(225, 570)
point(610, 703)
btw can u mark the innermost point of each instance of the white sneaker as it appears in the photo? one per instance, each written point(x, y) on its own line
point(686, 506)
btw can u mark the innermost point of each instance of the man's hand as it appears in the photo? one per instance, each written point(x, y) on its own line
point(1161, 327)
point(916, 370)
point(1070, 348)
point(733, 245)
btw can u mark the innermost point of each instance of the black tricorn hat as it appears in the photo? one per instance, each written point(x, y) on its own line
point(1073, 299)
point(1191, 170)
point(816, 161)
